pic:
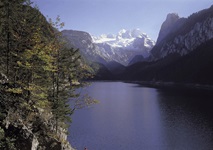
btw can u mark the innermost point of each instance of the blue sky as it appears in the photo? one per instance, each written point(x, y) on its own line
point(110, 16)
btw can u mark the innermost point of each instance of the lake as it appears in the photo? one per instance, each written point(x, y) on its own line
point(132, 117)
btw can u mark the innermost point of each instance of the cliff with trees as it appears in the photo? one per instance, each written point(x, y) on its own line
point(38, 75)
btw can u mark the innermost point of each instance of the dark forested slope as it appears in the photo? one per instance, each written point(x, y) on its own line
point(195, 67)
point(37, 76)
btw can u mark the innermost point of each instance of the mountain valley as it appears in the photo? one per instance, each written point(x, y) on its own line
point(182, 52)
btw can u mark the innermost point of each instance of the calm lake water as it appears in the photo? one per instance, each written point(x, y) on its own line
point(133, 117)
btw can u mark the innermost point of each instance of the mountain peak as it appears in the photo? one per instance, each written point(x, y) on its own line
point(184, 35)
point(121, 47)
point(167, 25)
point(172, 16)
point(134, 33)
point(125, 39)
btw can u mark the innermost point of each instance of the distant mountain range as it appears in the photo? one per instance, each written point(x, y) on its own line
point(125, 45)
point(183, 51)
point(121, 48)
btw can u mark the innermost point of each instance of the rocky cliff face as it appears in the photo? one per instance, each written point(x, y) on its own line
point(183, 53)
point(167, 26)
point(184, 35)
point(21, 129)
point(83, 41)
point(31, 136)
point(200, 33)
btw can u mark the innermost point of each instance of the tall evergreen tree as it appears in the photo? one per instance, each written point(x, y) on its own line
point(40, 74)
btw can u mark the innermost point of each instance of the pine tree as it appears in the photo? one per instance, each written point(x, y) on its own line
point(41, 74)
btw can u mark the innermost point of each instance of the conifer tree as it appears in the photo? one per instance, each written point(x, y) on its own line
point(41, 74)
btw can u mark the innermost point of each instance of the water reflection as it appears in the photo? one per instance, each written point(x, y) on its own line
point(185, 114)
point(133, 117)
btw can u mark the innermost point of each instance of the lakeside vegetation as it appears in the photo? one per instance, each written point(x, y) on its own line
point(37, 76)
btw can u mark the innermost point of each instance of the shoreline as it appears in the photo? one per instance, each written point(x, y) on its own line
point(162, 84)
point(174, 85)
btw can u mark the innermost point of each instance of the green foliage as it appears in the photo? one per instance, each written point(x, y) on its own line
point(1, 134)
point(41, 75)
point(6, 142)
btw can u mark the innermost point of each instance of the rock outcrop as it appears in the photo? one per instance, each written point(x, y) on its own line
point(167, 26)
point(33, 136)
point(184, 35)
point(22, 128)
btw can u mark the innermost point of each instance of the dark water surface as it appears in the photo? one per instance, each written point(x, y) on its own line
point(132, 117)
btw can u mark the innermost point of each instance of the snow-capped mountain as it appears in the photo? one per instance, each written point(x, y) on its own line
point(126, 39)
point(121, 48)
point(125, 45)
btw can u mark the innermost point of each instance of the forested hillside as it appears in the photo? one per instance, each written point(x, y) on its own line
point(195, 67)
point(37, 76)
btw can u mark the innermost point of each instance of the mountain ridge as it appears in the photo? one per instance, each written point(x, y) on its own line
point(107, 48)
point(183, 55)
point(179, 39)
point(124, 39)
point(187, 35)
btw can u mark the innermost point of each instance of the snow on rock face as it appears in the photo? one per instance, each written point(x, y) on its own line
point(125, 45)
point(121, 47)
point(125, 39)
